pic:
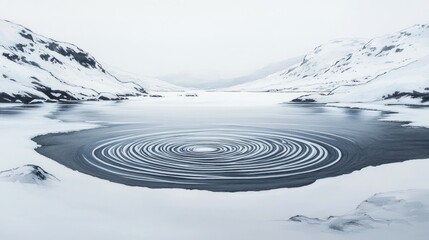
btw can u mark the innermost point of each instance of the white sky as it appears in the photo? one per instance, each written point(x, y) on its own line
point(208, 39)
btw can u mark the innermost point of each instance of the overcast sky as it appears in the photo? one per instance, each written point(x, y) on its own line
point(208, 39)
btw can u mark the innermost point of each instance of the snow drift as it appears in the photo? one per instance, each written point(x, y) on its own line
point(380, 210)
point(27, 174)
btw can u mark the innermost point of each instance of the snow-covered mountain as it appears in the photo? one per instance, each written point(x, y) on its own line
point(36, 67)
point(390, 66)
point(219, 84)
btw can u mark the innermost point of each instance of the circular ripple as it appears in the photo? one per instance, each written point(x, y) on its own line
point(227, 159)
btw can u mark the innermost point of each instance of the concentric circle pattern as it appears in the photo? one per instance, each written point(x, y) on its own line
point(217, 158)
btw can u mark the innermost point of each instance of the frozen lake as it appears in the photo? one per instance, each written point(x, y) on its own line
point(226, 141)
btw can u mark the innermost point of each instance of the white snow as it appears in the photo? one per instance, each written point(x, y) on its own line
point(27, 174)
point(380, 210)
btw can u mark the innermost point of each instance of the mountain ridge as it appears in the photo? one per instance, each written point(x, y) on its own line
point(38, 68)
point(329, 68)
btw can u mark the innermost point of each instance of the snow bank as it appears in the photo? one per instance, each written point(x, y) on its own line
point(380, 210)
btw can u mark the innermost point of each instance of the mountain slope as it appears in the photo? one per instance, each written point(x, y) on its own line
point(150, 84)
point(345, 66)
point(35, 67)
point(258, 74)
point(405, 85)
point(320, 59)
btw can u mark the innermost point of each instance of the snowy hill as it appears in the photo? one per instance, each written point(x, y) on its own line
point(36, 67)
point(390, 66)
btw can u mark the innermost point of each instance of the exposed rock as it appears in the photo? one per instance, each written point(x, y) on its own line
point(45, 56)
point(303, 100)
point(18, 98)
point(424, 96)
point(26, 35)
point(156, 95)
point(108, 96)
point(81, 57)
point(11, 57)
